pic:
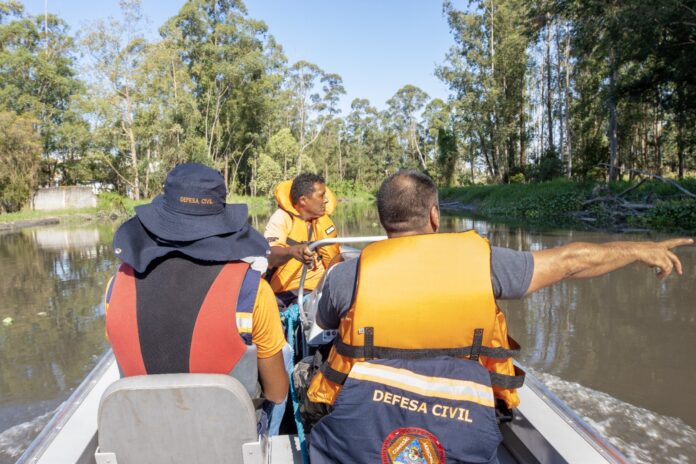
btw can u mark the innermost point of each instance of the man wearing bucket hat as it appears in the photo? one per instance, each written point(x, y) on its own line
point(189, 297)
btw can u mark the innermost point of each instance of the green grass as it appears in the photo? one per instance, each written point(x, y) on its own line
point(552, 198)
point(256, 205)
point(31, 215)
point(117, 206)
point(108, 204)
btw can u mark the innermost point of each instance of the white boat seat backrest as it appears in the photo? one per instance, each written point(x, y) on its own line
point(177, 418)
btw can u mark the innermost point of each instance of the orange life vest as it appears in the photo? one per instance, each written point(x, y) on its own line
point(220, 329)
point(423, 296)
point(287, 276)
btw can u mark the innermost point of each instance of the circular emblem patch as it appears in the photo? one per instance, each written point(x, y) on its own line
point(411, 445)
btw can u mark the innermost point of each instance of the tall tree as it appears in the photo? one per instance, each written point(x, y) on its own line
point(235, 71)
point(485, 70)
point(116, 49)
point(404, 110)
point(37, 77)
point(314, 96)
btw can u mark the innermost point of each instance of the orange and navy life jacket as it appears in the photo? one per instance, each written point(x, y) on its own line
point(181, 317)
point(433, 410)
point(287, 276)
point(423, 296)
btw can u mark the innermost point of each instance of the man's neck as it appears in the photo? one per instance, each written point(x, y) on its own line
point(306, 217)
point(410, 232)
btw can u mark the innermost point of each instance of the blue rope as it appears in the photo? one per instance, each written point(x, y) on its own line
point(292, 317)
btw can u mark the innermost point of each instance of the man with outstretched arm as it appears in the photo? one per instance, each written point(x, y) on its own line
point(423, 357)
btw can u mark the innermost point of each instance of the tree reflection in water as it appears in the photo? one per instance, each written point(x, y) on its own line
point(52, 290)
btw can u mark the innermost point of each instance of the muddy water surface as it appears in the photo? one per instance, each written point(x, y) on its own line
point(618, 349)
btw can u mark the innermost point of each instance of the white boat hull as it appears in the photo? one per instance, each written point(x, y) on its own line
point(543, 430)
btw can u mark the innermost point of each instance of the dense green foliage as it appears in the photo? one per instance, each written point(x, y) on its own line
point(564, 202)
point(587, 90)
point(20, 147)
point(546, 200)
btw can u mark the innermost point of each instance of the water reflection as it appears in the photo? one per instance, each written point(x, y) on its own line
point(66, 239)
point(625, 334)
point(51, 288)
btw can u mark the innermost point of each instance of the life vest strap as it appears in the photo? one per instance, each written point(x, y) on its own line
point(508, 381)
point(332, 375)
point(382, 352)
point(498, 380)
point(477, 344)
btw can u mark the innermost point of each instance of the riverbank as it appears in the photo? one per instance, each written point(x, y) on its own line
point(659, 205)
point(113, 207)
point(21, 220)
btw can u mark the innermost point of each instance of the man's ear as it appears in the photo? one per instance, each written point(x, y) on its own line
point(435, 218)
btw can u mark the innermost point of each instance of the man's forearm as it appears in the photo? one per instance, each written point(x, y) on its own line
point(279, 256)
point(586, 260)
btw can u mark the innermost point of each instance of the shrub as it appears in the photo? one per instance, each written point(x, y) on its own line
point(672, 215)
point(113, 203)
point(349, 189)
point(549, 167)
point(268, 174)
point(517, 178)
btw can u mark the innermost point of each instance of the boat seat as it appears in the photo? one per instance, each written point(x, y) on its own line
point(178, 418)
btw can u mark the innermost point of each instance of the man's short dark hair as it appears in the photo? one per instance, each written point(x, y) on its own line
point(404, 201)
point(303, 184)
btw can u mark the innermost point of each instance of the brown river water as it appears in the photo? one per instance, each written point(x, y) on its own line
point(618, 348)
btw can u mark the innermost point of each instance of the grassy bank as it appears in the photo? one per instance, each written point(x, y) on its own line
point(621, 205)
point(112, 206)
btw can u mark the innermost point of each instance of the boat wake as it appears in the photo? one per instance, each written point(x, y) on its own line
point(17, 438)
point(642, 435)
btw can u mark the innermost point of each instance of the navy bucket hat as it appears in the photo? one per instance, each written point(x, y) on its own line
point(192, 218)
point(192, 206)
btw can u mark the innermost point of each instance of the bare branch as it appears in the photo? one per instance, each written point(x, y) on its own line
point(105, 158)
point(660, 178)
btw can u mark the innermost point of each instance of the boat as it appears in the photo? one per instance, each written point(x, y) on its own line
point(173, 417)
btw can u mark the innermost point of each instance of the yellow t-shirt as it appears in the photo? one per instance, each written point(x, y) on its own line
point(266, 330)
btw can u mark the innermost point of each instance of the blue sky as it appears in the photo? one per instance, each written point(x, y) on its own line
point(376, 46)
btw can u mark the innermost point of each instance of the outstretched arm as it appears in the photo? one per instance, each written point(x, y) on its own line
point(584, 260)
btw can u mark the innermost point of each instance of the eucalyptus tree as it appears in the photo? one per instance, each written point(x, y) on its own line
point(167, 123)
point(485, 70)
point(37, 76)
point(440, 141)
point(314, 96)
point(404, 110)
point(598, 49)
point(282, 148)
point(115, 49)
point(361, 133)
point(658, 65)
point(235, 73)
